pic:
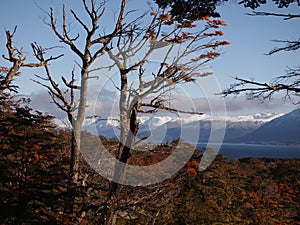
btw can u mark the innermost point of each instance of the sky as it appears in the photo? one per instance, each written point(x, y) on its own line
point(250, 38)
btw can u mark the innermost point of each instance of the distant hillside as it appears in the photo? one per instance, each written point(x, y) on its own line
point(282, 130)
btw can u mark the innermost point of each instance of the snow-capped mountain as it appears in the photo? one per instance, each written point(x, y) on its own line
point(161, 128)
point(281, 130)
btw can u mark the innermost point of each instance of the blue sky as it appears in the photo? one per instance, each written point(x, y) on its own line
point(250, 38)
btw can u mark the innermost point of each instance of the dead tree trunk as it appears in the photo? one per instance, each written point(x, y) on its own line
point(116, 186)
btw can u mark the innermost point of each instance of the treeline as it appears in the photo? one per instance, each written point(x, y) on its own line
point(34, 166)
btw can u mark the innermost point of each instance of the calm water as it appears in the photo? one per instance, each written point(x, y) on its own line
point(238, 151)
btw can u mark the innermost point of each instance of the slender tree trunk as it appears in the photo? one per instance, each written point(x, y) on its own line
point(123, 113)
point(110, 210)
point(73, 173)
point(75, 145)
point(116, 187)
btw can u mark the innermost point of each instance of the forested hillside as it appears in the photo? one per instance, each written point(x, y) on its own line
point(34, 178)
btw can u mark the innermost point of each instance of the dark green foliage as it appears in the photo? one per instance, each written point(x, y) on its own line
point(253, 4)
point(191, 10)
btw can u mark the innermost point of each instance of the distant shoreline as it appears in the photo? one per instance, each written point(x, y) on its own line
point(238, 151)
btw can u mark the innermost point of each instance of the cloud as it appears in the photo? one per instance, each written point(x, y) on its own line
point(104, 103)
point(41, 101)
point(234, 106)
point(240, 105)
point(102, 93)
point(99, 102)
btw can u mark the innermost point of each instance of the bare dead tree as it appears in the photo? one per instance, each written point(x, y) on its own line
point(95, 43)
point(127, 38)
point(121, 45)
point(148, 96)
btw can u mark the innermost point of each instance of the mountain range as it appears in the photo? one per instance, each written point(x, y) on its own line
point(261, 128)
point(281, 130)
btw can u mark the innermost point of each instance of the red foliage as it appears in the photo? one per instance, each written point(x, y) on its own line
point(193, 164)
point(164, 16)
point(207, 18)
point(172, 185)
point(219, 22)
point(192, 171)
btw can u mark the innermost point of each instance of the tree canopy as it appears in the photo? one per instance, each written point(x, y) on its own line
point(191, 10)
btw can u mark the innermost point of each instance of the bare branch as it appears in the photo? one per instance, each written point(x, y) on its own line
point(80, 21)
point(55, 91)
point(264, 91)
point(63, 37)
point(166, 108)
point(290, 46)
point(15, 56)
point(4, 69)
point(70, 84)
point(285, 16)
point(106, 39)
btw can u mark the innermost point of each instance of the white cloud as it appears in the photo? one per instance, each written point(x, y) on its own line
point(41, 101)
point(238, 108)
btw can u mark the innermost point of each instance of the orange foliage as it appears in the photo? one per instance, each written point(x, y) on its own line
point(37, 156)
point(216, 33)
point(193, 164)
point(207, 18)
point(254, 196)
point(219, 33)
point(249, 205)
point(219, 22)
point(208, 34)
point(172, 185)
point(188, 24)
point(151, 34)
point(36, 147)
point(192, 171)
point(183, 68)
point(186, 35)
point(209, 55)
point(216, 44)
point(106, 193)
point(168, 22)
point(225, 43)
point(187, 78)
point(164, 16)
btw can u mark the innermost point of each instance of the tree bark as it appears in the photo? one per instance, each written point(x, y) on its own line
point(123, 113)
point(112, 207)
point(75, 145)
